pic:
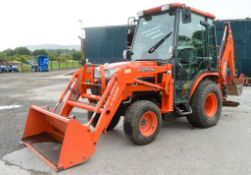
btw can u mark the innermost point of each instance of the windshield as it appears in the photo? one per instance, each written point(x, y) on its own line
point(150, 31)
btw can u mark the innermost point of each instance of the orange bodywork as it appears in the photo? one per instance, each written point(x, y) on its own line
point(52, 137)
point(176, 5)
point(227, 57)
point(200, 78)
point(200, 12)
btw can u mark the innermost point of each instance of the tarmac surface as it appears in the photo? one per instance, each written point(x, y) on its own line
point(180, 149)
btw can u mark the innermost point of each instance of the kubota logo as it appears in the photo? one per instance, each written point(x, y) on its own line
point(146, 69)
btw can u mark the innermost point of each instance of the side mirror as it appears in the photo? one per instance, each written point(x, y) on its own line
point(130, 34)
point(204, 23)
point(127, 54)
point(132, 21)
point(186, 15)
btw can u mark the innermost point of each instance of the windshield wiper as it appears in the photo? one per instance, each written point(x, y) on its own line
point(156, 46)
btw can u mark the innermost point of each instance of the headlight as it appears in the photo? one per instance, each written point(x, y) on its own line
point(97, 74)
point(108, 73)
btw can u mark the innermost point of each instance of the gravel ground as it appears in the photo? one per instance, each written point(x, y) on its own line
point(179, 149)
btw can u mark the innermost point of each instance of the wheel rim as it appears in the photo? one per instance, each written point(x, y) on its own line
point(211, 104)
point(148, 123)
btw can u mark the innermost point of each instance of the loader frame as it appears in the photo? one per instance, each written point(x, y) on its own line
point(117, 90)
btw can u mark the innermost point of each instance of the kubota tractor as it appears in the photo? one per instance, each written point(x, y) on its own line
point(172, 69)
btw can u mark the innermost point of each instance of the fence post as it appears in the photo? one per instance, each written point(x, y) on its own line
point(51, 63)
point(22, 64)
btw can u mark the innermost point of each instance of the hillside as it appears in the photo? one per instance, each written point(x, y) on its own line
point(52, 47)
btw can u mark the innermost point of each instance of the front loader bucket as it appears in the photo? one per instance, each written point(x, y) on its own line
point(60, 142)
point(235, 88)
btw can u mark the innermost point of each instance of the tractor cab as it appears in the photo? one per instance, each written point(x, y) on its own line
point(178, 35)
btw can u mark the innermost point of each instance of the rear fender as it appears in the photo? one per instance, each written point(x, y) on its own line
point(199, 78)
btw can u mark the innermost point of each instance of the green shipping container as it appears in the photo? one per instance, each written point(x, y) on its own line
point(242, 42)
point(105, 44)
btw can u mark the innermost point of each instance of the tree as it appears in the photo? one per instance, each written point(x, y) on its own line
point(39, 52)
point(10, 52)
point(59, 51)
point(22, 51)
point(76, 55)
point(3, 56)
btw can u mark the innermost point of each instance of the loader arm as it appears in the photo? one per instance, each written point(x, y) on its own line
point(231, 85)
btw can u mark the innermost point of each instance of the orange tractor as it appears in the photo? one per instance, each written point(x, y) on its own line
point(173, 68)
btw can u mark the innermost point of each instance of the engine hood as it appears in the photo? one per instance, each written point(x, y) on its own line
point(112, 68)
point(120, 65)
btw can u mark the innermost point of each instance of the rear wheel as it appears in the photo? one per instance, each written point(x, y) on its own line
point(206, 104)
point(142, 122)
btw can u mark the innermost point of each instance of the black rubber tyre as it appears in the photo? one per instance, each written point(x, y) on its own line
point(133, 121)
point(113, 123)
point(200, 117)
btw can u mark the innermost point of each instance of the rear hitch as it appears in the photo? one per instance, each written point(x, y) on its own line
point(229, 103)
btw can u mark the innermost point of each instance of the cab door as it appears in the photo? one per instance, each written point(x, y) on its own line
point(191, 48)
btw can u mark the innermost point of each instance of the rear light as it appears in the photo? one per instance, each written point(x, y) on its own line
point(154, 10)
point(165, 7)
point(140, 14)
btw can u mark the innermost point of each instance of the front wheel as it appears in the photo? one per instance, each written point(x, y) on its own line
point(112, 124)
point(206, 104)
point(142, 122)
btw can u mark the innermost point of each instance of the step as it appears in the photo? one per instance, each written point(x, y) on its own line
point(229, 103)
point(184, 112)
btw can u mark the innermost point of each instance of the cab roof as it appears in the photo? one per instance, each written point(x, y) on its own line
point(177, 5)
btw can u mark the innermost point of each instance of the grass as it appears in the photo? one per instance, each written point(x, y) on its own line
point(22, 67)
point(55, 65)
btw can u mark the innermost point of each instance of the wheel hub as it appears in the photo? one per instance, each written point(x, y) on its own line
point(211, 105)
point(148, 123)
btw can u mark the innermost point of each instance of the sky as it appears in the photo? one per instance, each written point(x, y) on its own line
point(34, 22)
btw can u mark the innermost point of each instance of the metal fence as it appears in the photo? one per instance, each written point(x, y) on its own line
point(53, 65)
